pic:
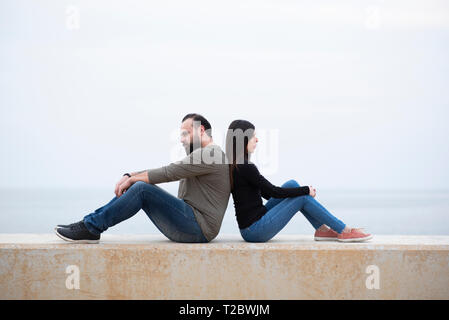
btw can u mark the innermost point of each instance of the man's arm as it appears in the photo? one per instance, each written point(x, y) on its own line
point(173, 172)
point(139, 176)
point(177, 171)
point(137, 172)
point(192, 165)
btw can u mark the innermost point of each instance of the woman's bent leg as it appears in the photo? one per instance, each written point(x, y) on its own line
point(317, 214)
point(277, 217)
point(320, 213)
point(274, 201)
point(273, 221)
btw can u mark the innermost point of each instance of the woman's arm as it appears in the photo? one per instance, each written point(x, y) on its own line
point(252, 175)
point(265, 195)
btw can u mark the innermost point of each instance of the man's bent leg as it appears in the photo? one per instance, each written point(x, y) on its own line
point(117, 210)
point(171, 215)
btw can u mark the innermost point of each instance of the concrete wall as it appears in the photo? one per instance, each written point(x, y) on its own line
point(288, 267)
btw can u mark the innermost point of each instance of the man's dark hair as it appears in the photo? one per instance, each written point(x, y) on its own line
point(202, 120)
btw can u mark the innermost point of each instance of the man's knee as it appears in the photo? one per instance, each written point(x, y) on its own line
point(138, 186)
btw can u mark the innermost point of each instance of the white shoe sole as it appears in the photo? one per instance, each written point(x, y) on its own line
point(59, 227)
point(325, 239)
point(75, 241)
point(356, 239)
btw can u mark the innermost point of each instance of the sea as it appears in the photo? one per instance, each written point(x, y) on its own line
point(392, 212)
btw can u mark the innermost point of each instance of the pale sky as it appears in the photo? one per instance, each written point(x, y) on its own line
point(351, 94)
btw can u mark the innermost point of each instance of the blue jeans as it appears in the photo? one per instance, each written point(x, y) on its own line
point(280, 211)
point(172, 216)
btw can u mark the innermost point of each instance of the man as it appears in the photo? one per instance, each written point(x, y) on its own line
point(194, 216)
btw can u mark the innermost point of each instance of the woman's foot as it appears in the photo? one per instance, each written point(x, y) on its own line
point(353, 235)
point(324, 233)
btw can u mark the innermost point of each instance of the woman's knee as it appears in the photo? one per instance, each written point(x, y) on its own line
point(291, 184)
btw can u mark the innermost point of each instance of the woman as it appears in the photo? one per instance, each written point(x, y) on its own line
point(260, 223)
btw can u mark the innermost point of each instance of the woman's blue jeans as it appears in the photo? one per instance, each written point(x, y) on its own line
point(280, 211)
point(171, 215)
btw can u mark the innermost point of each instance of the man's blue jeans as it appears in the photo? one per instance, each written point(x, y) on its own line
point(280, 211)
point(171, 215)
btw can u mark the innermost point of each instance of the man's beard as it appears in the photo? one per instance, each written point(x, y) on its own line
point(189, 148)
point(192, 146)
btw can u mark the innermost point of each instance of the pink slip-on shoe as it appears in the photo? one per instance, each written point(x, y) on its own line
point(354, 235)
point(328, 235)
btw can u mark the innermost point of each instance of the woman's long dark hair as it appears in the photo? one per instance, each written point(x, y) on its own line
point(237, 137)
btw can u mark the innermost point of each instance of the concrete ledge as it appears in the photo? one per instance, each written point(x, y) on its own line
point(35, 266)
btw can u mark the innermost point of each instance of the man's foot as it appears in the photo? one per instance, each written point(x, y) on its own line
point(354, 235)
point(323, 234)
point(66, 225)
point(77, 233)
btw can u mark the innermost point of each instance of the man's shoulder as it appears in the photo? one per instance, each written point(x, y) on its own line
point(212, 154)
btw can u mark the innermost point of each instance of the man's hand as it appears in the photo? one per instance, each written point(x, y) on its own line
point(312, 191)
point(123, 179)
point(125, 185)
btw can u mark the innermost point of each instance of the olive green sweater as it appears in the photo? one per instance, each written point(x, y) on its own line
point(204, 185)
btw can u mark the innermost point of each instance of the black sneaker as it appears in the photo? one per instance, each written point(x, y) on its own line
point(78, 233)
point(66, 225)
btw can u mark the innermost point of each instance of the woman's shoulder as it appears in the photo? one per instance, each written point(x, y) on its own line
point(247, 166)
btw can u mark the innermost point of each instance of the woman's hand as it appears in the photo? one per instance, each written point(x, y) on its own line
point(312, 191)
